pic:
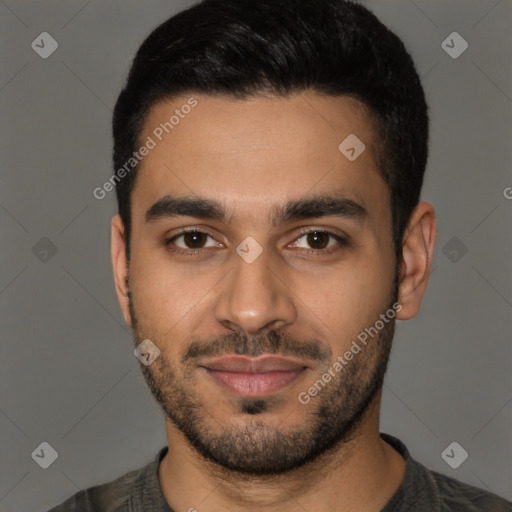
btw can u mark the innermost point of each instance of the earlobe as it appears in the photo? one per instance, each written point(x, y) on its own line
point(417, 254)
point(120, 266)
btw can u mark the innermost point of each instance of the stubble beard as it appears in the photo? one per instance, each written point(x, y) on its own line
point(255, 446)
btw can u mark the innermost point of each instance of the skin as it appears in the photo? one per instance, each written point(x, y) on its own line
point(252, 156)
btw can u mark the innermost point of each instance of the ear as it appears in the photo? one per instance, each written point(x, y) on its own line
point(120, 266)
point(417, 254)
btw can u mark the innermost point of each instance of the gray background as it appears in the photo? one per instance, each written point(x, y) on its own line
point(67, 372)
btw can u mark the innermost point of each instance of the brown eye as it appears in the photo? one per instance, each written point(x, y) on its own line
point(193, 240)
point(318, 239)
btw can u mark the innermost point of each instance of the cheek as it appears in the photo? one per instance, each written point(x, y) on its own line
point(348, 298)
point(165, 293)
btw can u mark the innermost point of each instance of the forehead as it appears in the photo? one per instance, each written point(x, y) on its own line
point(260, 150)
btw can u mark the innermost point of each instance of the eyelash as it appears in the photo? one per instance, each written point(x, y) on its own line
point(343, 242)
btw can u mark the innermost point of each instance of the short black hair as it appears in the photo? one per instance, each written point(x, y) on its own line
point(242, 48)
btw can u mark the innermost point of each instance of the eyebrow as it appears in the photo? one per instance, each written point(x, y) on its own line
point(336, 205)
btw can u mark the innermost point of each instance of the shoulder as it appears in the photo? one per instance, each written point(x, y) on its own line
point(455, 495)
point(425, 490)
point(112, 496)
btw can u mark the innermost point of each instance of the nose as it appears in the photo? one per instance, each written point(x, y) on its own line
point(255, 297)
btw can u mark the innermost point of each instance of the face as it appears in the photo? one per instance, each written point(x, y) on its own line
point(260, 254)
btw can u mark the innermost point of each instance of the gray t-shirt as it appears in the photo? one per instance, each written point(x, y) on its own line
point(421, 490)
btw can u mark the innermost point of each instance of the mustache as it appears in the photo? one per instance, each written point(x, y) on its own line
point(271, 342)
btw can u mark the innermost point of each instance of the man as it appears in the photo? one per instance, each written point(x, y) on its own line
point(269, 157)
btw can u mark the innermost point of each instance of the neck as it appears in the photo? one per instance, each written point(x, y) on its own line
point(360, 474)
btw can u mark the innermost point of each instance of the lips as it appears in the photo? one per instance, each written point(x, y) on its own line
point(254, 376)
point(259, 364)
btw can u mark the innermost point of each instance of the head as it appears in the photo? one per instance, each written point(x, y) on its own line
point(255, 223)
